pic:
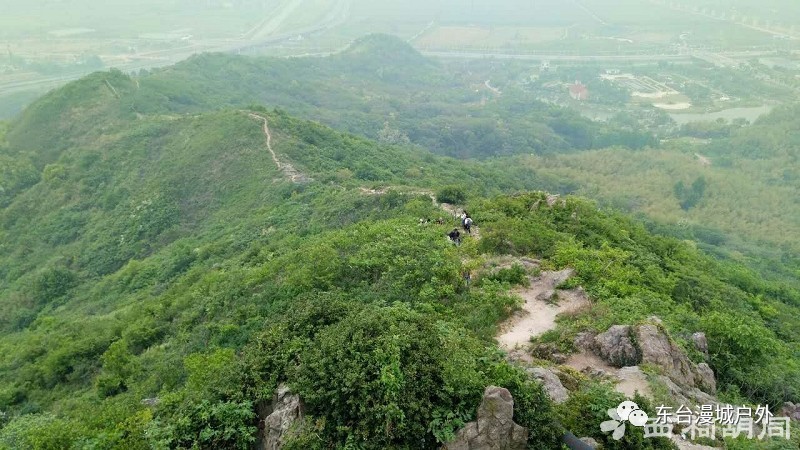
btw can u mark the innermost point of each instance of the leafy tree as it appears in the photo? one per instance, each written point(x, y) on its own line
point(118, 367)
point(689, 197)
point(40, 432)
point(53, 283)
point(455, 195)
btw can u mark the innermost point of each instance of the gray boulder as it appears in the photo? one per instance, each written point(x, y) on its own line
point(790, 410)
point(658, 349)
point(686, 395)
point(494, 428)
point(616, 346)
point(561, 276)
point(700, 342)
point(704, 378)
point(584, 341)
point(624, 345)
point(548, 295)
point(285, 411)
point(552, 385)
point(593, 372)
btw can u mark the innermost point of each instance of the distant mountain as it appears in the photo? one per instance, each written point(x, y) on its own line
point(381, 82)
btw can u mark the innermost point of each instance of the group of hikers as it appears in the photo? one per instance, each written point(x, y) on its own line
point(466, 224)
point(454, 235)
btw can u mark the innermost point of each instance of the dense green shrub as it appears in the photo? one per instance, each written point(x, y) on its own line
point(385, 377)
point(455, 195)
point(587, 408)
point(53, 283)
point(514, 275)
point(40, 432)
point(208, 412)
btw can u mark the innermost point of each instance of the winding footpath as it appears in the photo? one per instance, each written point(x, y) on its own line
point(539, 314)
point(288, 170)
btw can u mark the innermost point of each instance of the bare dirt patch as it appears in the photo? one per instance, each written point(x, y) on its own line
point(538, 313)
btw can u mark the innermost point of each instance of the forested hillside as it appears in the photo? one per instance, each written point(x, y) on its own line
point(737, 191)
point(382, 88)
point(162, 274)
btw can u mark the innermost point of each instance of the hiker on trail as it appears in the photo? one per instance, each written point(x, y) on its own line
point(467, 274)
point(468, 224)
point(455, 236)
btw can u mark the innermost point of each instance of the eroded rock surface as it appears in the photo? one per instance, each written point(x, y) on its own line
point(649, 343)
point(551, 383)
point(285, 411)
point(494, 428)
point(616, 346)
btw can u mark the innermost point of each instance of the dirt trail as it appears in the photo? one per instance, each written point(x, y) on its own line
point(492, 88)
point(704, 161)
point(631, 379)
point(538, 315)
point(288, 170)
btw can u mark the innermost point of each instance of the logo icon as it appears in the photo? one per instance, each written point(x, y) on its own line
point(626, 411)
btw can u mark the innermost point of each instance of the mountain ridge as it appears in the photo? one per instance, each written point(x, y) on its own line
point(160, 277)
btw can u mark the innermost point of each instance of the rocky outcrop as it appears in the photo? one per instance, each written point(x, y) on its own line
point(704, 378)
point(553, 199)
point(548, 295)
point(551, 383)
point(280, 417)
point(616, 346)
point(658, 349)
point(790, 410)
point(700, 343)
point(624, 345)
point(686, 395)
point(494, 428)
point(584, 341)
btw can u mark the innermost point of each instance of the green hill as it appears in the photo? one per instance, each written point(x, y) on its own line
point(160, 276)
point(381, 87)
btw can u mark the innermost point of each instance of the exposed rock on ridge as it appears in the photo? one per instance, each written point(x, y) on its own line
point(494, 428)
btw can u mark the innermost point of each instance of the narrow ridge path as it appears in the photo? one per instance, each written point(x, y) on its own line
point(288, 170)
point(538, 314)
